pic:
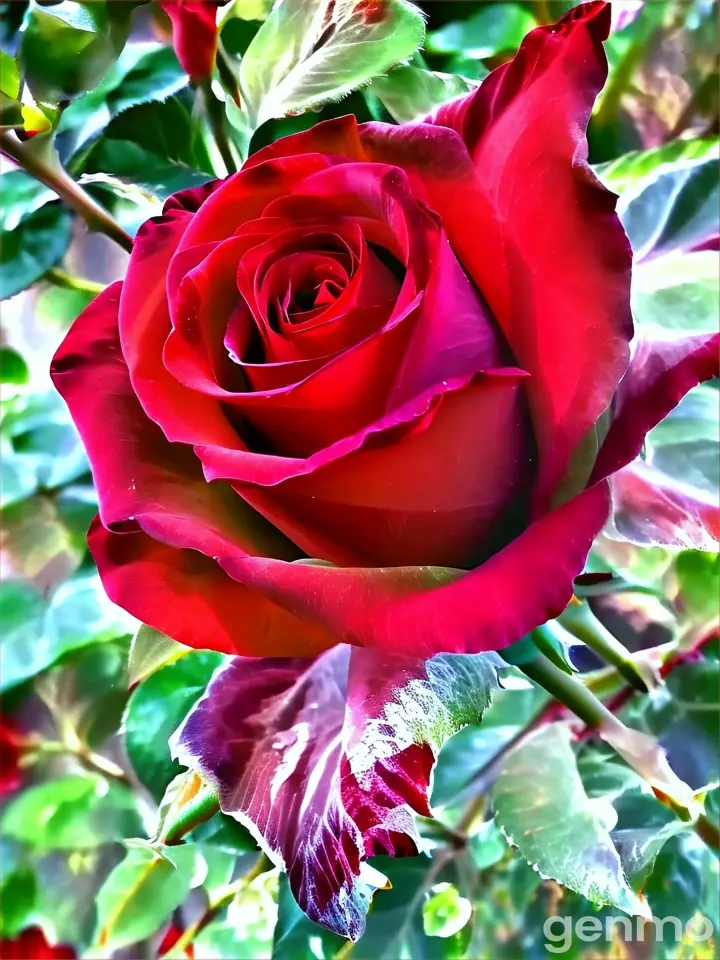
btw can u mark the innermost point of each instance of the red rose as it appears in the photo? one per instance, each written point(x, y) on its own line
point(194, 25)
point(11, 749)
point(356, 391)
point(31, 944)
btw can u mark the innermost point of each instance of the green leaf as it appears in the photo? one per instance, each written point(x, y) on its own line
point(556, 827)
point(698, 576)
point(143, 73)
point(677, 292)
point(75, 812)
point(296, 936)
point(160, 703)
point(88, 691)
point(684, 445)
point(13, 368)
point(34, 633)
point(36, 543)
point(685, 716)
point(68, 47)
point(155, 145)
point(309, 52)
point(11, 115)
point(151, 650)
point(496, 27)
point(9, 76)
point(224, 833)
point(445, 912)
point(34, 235)
point(141, 893)
point(675, 886)
point(675, 208)
point(465, 754)
point(410, 93)
point(487, 845)
point(641, 166)
point(57, 307)
point(18, 894)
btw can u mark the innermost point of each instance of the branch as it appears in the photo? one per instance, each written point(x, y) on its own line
point(39, 160)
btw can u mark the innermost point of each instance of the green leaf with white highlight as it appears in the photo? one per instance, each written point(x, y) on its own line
point(410, 93)
point(542, 807)
point(310, 52)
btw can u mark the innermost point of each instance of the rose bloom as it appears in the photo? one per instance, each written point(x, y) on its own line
point(372, 387)
point(31, 944)
point(12, 743)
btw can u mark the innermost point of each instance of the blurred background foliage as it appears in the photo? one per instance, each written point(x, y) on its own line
point(85, 759)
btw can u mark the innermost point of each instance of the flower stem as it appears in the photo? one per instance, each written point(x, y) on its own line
point(40, 161)
point(87, 757)
point(222, 899)
point(67, 281)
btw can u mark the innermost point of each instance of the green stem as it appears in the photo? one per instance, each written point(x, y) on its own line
point(93, 761)
point(67, 281)
point(221, 900)
point(203, 806)
point(37, 160)
point(215, 112)
point(581, 622)
point(569, 691)
point(708, 832)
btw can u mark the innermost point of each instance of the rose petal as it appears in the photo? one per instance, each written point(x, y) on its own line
point(437, 489)
point(419, 611)
point(569, 320)
point(141, 477)
point(659, 376)
point(194, 35)
point(188, 597)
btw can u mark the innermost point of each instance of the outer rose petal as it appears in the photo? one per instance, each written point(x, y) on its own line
point(188, 597)
point(155, 491)
point(649, 508)
point(420, 611)
point(194, 34)
point(141, 478)
point(661, 373)
point(569, 321)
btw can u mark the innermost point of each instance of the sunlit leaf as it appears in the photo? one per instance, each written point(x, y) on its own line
point(68, 47)
point(151, 650)
point(493, 28)
point(556, 827)
point(141, 893)
point(309, 52)
point(410, 93)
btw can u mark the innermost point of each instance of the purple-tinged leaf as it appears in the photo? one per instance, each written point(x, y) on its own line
point(652, 509)
point(326, 760)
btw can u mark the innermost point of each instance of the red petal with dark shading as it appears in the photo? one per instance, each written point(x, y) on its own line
point(419, 611)
point(569, 321)
point(194, 34)
point(188, 597)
